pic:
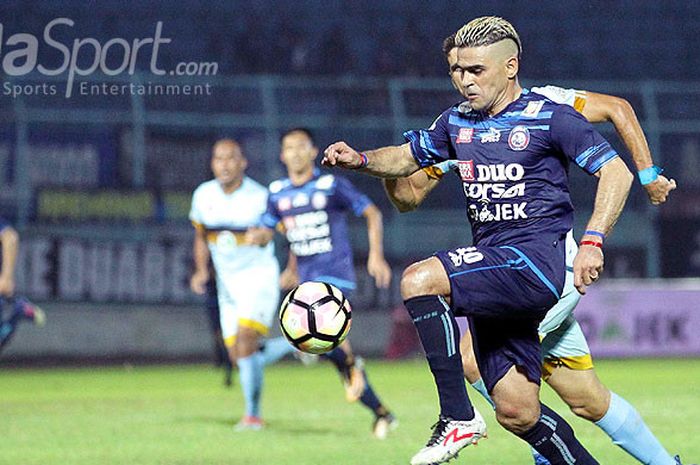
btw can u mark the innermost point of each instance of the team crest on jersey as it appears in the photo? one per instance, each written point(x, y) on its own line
point(465, 135)
point(519, 138)
point(466, 170)
point(285, 203)
point(532, 109)
point(319, 200)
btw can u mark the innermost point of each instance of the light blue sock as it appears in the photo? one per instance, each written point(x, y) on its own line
point(481, 387)
point(275, 349)
point(250, 374)
point(626, 428)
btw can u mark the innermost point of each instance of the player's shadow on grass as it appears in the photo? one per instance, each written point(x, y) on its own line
point(273, 426)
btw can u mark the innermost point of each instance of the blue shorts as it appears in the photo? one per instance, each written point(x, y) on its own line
point(505, 291)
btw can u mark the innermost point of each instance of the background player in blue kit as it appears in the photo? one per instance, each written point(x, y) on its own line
point(311, 207)
point(513, 148)
point(19, 309)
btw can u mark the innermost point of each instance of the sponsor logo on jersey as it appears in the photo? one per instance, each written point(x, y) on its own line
point(284, 203)
point(492, 135)
point(300, 200)
point(519, 138)
point(465, 135)
point(532, 109)
point(319, 200)
point(466, 170)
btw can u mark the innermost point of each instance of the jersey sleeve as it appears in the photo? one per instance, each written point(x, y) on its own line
point(572, 97)
point(350, 197)
point(271, 217)
point(576, 138)
point(432, 145)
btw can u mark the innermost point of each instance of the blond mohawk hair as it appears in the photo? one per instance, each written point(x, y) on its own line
point(486, 30)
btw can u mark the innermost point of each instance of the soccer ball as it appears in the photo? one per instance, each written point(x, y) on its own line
point(315, 317)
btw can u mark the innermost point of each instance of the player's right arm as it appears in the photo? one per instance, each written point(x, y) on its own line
point(289, 276)
point(386, 162)
point(10, 247)
point(201, 255)
point(408, 193)
point(602, 107)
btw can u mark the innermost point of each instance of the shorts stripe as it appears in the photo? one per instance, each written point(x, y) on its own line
point(534, 269)
point(342, 284)
point(252, 324)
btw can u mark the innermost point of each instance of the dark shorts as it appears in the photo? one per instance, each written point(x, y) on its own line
point(506, 292)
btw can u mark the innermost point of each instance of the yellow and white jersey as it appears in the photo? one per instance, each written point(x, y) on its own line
point(572, 97)
point(225, 218)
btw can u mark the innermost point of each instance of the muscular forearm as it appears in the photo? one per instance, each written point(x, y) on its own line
point(631, 133)
point(391, 162)
point(613, 187)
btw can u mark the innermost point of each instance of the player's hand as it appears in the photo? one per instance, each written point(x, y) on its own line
point(380, 270)
point(257, 236)
point(289, 278)
point(659, 190)
point(7, 285)
point(198, 282)
point(438, 170)
point(588, 265)
point(341, 155)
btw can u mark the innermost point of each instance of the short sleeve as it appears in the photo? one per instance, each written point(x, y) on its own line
point(576, 138)
point(271, 216)
point(432, 145)
point(350, 197)
point(195, 210)
point(4, 224)
point(572, 97)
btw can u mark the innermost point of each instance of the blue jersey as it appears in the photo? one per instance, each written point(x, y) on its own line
point(314, 219)
point(514, 165)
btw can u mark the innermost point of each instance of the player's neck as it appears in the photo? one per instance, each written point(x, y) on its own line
point(510, 95)
point(301, 177)
point(232, 186)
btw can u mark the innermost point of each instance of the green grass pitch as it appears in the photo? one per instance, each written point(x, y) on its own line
point(182, 415)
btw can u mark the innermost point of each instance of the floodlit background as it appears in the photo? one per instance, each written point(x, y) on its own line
point(108, 111)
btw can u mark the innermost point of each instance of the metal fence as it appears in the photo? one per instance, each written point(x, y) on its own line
point(156, 142)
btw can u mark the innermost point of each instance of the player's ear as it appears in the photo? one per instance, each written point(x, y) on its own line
point(512, 67)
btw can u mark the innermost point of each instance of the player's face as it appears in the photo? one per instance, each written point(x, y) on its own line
point(298, 152)
point(480, 74)
point(228, 164)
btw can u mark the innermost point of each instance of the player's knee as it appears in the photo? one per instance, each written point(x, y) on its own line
point(592, 408)
point(517, 417)
point(247, 342)
point(424, 278)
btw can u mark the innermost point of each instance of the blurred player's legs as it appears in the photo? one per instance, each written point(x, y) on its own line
point(247, 306)
point(357, 386)
point(22, 310)
point(221, 357)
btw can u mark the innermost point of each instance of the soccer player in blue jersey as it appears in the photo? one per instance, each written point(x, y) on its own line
point(567, 365)
point(311, 208)
point(514, 148)
point(20, 308)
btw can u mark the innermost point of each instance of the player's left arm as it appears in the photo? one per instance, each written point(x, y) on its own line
point(601, 108)
point(614, 185)
point(10, 246)
point(377, 266)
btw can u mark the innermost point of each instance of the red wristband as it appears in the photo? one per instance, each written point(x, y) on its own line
point(365, 160)
point(593, 243)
